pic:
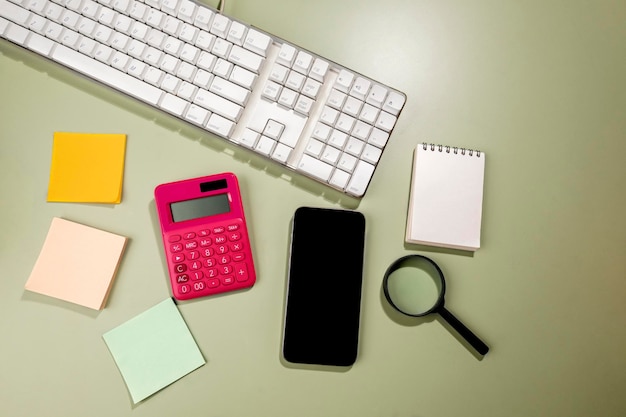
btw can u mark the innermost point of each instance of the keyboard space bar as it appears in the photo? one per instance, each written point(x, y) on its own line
point(106, 75)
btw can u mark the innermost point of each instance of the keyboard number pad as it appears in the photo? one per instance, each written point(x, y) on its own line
point(210, 260)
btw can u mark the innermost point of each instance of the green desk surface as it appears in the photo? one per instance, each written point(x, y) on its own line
point(538, 85)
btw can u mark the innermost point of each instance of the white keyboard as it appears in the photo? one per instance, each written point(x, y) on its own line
point(296, 108)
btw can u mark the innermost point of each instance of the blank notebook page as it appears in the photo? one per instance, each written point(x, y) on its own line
point(445, 205)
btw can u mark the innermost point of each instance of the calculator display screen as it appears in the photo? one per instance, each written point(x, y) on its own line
point(200, 207)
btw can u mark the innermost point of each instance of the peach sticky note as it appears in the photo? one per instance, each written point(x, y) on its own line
point(77, 264)
point(87, 167)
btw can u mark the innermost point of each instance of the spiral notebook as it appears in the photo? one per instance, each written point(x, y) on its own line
point(446, 198)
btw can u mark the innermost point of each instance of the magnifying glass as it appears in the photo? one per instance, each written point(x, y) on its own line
point(414, 285)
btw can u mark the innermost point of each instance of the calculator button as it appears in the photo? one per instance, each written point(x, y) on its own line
point(191, 245)
point(220, 239)
point(176, 247)
point(219, 229)
point(205, 242)
point(234, 236)
point(173, 238)
point(199, 286)
point(236, 247)
point(180, 268)
point(210, 262)
point(204, 233)
point(189, 235)
point(178, 257)
point(232, 227)
point(212, 283)
point(196, 275)
point(228, 280)
point(238, 257)
point(182, 278)
point(184, 289)
point(221, 249)
point(194, 254)
point(224, 259)
point(226, 269)
point(206, 252)
point(195, 265)
point(211, 272)
point(241, 272)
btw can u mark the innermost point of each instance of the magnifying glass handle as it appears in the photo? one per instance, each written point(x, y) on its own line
point(467, 334)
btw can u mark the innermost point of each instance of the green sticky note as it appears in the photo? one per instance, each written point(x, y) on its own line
point(153, 350)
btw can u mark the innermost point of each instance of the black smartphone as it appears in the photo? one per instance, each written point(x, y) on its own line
point(325, 275)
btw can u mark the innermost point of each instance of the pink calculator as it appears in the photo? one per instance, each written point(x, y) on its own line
point(205, 236)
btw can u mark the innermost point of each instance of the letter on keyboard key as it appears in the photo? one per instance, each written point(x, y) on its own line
point(360, 178)
point(315, 167)
point(107, 75)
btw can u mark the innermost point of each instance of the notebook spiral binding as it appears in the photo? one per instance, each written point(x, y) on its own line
point(454, 149)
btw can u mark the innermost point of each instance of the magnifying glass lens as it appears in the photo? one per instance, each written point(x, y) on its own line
point(414, 289)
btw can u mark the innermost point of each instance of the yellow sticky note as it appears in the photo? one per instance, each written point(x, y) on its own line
point(77, 263)
point(87, 167)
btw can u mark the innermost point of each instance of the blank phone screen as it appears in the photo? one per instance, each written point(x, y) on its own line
point(323, 302)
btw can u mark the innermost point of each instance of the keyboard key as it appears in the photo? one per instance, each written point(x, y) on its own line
point(249, 138)
point(197, 115)
point(377, 95)
point(281, 153)
point(286, 55)
point(13, 12)
point(315, 167)
point(371, 154)
point(221, 126)
point(393, 103)
point(40, 44)
point(340, 179)
point(319, 69)
point(229, 90)
point(303, 62)
point(360, 88)
point(360, 178)
point(236, 33)
point(220, 25)
point(273, 129)
point(344, 81)
point(265, 145)
point(245, 58)
point(385, 121)
point(173, 104)
point(257, 42)
point(243, 77)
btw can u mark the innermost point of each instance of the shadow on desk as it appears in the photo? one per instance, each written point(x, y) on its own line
point(407, 321)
